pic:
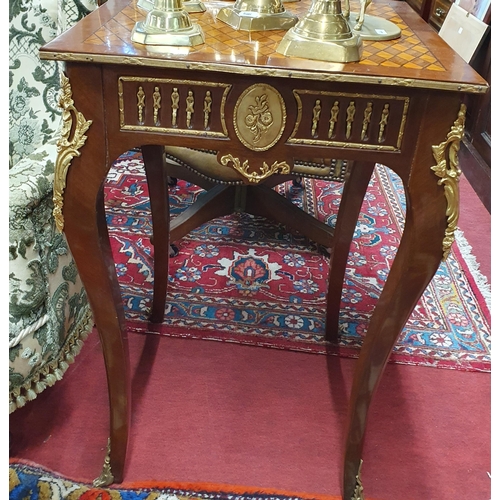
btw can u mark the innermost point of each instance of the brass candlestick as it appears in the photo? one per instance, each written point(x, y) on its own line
point(145, 4)
point(194, 6)
point(257, 15)
point(189, 5)
point(168, 23)
point(323, 34)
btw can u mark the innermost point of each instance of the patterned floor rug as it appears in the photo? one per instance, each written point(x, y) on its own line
point(33, 482)
point(245, 279)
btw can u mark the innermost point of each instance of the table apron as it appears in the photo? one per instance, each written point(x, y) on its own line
point(264, 119)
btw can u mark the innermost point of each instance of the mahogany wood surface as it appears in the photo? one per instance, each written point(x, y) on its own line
point(156, 175)
point(104, 35)
point(421, 79)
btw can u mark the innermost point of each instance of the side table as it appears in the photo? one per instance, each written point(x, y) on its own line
point(401, 105)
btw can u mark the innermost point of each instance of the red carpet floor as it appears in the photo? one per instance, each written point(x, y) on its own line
point(213, 412)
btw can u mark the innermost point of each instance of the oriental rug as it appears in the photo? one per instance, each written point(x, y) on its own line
point(247, 280)
point(28, 481)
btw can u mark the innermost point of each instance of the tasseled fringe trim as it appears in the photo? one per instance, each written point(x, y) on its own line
point(55, 369)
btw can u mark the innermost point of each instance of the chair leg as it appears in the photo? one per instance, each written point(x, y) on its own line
point(350, 205)
point(155, 167)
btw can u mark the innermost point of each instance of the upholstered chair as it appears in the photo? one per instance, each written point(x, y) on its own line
point(49, 316)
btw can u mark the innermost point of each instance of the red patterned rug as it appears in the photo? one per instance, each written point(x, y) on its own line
point(245, 279)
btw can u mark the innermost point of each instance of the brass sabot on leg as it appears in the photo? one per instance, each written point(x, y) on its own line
point(106, 478)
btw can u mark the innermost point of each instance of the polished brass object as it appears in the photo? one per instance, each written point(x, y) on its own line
point(156, 105)
point(266, 170)
point(374, 28)
point(403, 122)
point(129, 123)
point(363, 4)
point(71, 140)
point(189, 108)
point(316, 115)
point(334, 116)
point(257, 15)
point(194, 6)
point(366, 120)
point(383, 122)
point(323, 34)
point(351, 110)
point(168, 23)
point(175, 105)
point(293, 139)
point(145, 4)
point(141, 103)
point(259, 117)
point(358, 489)
point(106, 478)
point(189, 5)
point(370, 27)
point(207, 108)
point(447, 169)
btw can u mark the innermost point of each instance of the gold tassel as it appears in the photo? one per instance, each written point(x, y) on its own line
point(40, 386)
point(50, 379)
point(20, 401)
point(30, 394)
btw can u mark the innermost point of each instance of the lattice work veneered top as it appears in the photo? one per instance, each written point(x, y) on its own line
point(418, 59)
point(408, 51)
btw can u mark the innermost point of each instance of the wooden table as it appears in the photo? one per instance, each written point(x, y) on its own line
point(401, 105)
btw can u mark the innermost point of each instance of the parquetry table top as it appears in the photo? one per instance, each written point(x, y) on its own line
point(419, 58)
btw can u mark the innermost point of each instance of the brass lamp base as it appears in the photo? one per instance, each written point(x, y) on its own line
point(323, 34)
point(167, 23)
point(375, 28)
point(257, 15)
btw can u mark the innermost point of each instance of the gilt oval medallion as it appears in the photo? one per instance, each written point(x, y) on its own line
point(259, 117)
